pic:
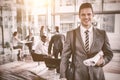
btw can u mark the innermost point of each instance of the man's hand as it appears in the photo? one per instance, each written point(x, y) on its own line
point(49, 55)
point(100, 61)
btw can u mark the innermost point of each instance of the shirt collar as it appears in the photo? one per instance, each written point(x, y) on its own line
point(84, 29)
point(43, 43)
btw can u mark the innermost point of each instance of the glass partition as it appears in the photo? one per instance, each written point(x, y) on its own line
point(106, 22)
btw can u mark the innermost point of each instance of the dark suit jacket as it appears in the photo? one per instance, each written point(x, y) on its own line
point(82, 72)
point(28, 38)
point(56, 42)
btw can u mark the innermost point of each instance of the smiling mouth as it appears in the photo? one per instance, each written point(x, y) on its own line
point(86, 20)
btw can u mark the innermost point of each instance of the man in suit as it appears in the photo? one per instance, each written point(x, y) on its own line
point(97, 42)
point(56, 42)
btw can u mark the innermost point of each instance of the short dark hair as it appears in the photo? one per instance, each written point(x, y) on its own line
point(85, 5)
point(43, 36)
point(57, 28)
point(15, 33)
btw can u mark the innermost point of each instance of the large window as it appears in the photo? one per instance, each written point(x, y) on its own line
point(106, 22)
point(111, 1)
point(66, 27)
point(67, 22)
point(67, 2)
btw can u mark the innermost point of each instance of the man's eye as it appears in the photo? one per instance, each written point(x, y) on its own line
point(82, 14)
point(89, 14)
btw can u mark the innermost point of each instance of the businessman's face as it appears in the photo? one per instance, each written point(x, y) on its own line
point(86, 16)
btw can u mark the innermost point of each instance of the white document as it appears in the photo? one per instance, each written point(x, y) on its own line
point(92, 61)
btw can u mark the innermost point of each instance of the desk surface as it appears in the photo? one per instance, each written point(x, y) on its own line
point(24, 41)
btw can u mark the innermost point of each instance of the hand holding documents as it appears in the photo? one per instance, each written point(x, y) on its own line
point(92, 61)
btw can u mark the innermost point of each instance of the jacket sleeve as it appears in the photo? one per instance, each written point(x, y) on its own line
point(50, 45)
point(108, 54)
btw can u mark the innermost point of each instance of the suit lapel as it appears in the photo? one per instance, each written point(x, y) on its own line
point(94, 39)
point(78, 35)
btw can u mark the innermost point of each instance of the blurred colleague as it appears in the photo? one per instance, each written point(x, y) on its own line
point(16, 44)
point(42, 31)
point(30, 39)
point(41, 49)
point(57, 30)
point(16, 41)
point(56, 42)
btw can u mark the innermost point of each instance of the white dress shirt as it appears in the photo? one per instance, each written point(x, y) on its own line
point(41, 48)
point(82, 30)
point(91, 61)
point(15, 41)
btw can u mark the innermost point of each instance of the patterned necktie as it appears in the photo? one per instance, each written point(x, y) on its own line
point(86, 41)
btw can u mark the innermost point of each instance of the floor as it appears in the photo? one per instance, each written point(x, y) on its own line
point(111, 70)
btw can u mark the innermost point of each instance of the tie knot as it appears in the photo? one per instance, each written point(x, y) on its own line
point(86, 31)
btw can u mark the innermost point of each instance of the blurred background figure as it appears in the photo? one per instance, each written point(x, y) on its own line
point(30, 39)
point(42, 31)
point(57, 30)
point(41, 49)
point(16, 41)
point(16, 44)
point(56, 42)
point(42, 46)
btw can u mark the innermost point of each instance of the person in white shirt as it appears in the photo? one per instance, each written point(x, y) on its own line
point(42, 46)
point(41, 49)
point(16, 41)
point(16, 44)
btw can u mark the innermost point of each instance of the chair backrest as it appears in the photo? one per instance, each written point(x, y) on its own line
point(37, 57)
point(52, 62)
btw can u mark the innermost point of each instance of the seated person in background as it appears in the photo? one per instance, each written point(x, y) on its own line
point(16, 44)
point(30, 37)
point(42, 47)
